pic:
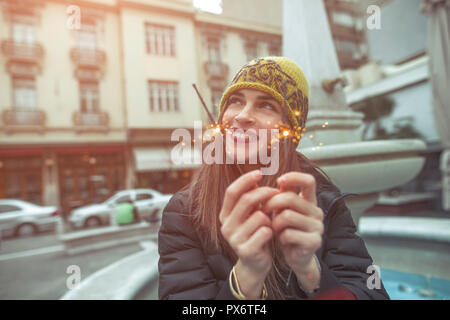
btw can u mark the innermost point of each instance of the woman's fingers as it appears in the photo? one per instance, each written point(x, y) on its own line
point(234, 191)
point(247, 203)
point(255, 244)
point(290, 200)
point(251, 225)
point(307, 241)
point(306, 182)
point(291, 219)
point(251, 200)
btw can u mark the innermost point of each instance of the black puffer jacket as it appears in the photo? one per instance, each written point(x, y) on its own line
point(190, 270)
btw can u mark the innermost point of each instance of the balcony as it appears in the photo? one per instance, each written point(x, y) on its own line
point(352, 8)
point(22, 51)
point(88, 74)
point(91, 121)
point(216, 70)
point(348, 61)
point(347, 33)
point(23, 119)
point(84, 57)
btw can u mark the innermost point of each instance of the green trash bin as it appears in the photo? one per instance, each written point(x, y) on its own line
point(125, 213)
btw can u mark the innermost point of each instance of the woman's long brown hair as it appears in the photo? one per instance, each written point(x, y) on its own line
point(207, 190)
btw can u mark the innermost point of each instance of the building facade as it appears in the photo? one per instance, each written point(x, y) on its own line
point(91, 91)
point(62, 130)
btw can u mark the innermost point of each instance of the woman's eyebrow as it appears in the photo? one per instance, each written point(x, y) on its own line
point(265, 97)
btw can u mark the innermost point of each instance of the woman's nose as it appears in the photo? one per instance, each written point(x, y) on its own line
point(245, 116)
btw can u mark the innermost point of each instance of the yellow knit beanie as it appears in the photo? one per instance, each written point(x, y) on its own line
point(283, 80)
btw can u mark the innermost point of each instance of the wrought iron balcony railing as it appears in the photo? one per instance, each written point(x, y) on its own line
point(16, 117)
point(91, 120)
point(88, 57)
point(22, 50)
point(216, 69)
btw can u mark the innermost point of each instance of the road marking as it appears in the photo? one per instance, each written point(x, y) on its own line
point(29, 253)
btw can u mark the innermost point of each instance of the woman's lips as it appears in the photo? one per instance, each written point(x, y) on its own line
point(243, 136)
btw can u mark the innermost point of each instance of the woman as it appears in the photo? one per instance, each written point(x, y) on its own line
point(235, 233)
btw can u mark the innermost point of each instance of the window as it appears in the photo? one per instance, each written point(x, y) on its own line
point(163, 96)
point(344, 19)
point(8, 208)
point(215, 67)
point(160, 40)
point(23, 30)
point(274, 47)
point(22, 178)
point(213, 47)
point(274, 50)
point(123, 199)
point(89, 97)
point(251, 50)
point(87, 37)
point(144, 196)
point(24, 90)
point(347, 46)
point(84, 178)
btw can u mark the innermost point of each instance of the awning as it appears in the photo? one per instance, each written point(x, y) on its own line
point(157, 159)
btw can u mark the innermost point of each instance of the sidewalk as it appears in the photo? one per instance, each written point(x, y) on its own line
point(418, 244)
point(417, 214)
point(406, 227)
point(121, 280)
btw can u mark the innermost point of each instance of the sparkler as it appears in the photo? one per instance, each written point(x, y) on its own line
point(211, 118)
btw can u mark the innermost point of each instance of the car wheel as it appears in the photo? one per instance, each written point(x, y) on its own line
point(92, 222)
point(26, 230)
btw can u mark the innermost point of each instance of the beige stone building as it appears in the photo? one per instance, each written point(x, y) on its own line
point(90, 91)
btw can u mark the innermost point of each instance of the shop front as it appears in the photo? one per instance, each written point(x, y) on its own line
point(155, 169)
point(90, 176)
point(21, 177)
point(64, 176)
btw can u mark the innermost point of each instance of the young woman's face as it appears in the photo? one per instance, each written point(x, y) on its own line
point(250, 109)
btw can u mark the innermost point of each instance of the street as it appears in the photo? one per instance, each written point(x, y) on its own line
point(36, 267)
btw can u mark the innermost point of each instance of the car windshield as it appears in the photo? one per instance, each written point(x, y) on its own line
point(122, 199)
point(119, 198)
point(144, 196)
point(112, 199)
point(4, 208)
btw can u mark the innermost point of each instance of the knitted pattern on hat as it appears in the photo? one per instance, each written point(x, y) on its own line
point(281, 78)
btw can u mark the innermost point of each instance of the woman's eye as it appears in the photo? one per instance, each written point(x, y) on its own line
point(235, 101)
point(268, 106)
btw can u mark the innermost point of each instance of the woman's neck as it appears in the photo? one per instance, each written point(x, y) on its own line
point(244, 168)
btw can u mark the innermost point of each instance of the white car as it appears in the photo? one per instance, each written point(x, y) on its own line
point(149, 204)
point(21, 218)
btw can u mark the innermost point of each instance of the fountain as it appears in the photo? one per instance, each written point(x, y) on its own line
point(332, 138)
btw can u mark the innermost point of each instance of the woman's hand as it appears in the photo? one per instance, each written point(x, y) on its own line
point(247, 229)
point(298, 224)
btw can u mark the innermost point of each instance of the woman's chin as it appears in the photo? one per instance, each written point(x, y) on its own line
point(243, 153)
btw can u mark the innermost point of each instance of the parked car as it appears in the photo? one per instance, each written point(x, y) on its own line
point(149, 203)
point(22, 218)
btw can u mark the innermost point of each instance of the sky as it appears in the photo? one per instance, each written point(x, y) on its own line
point(213, 6)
